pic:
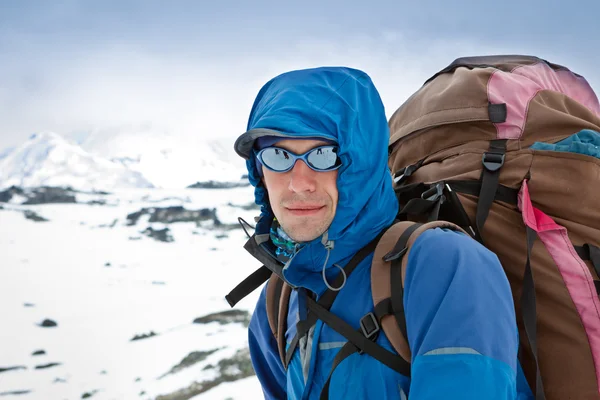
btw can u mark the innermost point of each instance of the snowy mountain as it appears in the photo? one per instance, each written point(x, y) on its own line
point(47, 159)
point(5, 152)
point(165, 160)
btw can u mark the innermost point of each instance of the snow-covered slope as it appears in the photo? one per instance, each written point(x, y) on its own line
point(47, 159)
point(92, 269)
point(167, 161)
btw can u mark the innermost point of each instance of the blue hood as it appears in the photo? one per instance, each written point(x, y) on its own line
point(343, 105)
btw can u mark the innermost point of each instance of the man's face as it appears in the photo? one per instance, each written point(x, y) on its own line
point(304, 201)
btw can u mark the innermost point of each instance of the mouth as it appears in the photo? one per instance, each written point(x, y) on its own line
point(305, 210)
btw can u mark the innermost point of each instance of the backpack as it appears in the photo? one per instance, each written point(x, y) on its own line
point(461, 157)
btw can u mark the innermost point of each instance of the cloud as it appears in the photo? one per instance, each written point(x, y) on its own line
point(206, 94)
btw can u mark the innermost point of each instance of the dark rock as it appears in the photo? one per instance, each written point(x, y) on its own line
point(132, 218)
point(231, 369)
point(222, 236)
point(18, 367)
point(143, 336)
point(142, 393)
point(48, 323)
point(162, 235)
point(103, 372)
point(107, 264)
point(50, 195)
point(32, 215)
point(170, 215)
point(38, 353)
point(225, 317)
point(59, 380)
point(28, 305)
point(96, 202)
point(189, 360)
point(15, 392)
point(218, 185)
point(138, 379)
point(87, 395)
point(49, 365)
point(7, 194)
point(246, 207)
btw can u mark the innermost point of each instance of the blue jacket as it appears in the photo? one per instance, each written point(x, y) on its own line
point(459, 308)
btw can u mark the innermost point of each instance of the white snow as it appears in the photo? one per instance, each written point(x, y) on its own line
point(47, 159)
point(167, 161)
point(59, 267)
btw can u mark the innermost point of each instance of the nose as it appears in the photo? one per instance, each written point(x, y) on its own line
point(302, 178)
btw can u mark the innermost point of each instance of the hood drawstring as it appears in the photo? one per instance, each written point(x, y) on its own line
point(329, 246)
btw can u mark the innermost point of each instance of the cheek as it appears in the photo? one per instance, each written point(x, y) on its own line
point(332, 189)
point(274, 183)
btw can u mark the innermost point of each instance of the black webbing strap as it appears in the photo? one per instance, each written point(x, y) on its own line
point(248, 285)
point(359, 340)
point(459, 215)
point(492, 161)
point(397, 288)
point(589, 252)
point(429, 201)
point(406, 172)
point(529, 312)
point(503, 193)
point(383, 308)
point(327, 299)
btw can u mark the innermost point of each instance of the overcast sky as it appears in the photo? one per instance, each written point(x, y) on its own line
point(192, 68)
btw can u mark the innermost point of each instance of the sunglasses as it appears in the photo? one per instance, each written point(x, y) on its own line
point(320, 159)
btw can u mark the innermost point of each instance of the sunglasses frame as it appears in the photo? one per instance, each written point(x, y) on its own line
point(296, 157)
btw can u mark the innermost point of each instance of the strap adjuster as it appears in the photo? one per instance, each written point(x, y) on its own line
point(493, 161)
point(406, 172)
point(369, 326)
point(434, 193)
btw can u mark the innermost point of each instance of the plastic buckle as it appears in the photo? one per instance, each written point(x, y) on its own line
point(493, 161)
point(369, 326)
point(405, 173)
point(391, 256)
point(434, 193)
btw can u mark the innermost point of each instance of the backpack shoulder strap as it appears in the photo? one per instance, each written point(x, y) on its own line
point(387, 278)
point(278, 297)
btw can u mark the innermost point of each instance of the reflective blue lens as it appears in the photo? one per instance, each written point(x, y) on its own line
point(323, 158)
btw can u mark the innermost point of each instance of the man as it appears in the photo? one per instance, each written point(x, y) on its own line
point(316, 151)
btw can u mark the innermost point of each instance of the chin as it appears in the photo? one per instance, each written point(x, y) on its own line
point(304, 233)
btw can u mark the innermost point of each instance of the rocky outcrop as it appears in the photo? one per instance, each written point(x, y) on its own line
point(189, 360)
point(32, 215)
point(162, 235)
point(218, 185)
point(170, 215)
point(48, 323)
point(143, 336)
point(229, 370)
point(16, 368)
point(226, 317)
